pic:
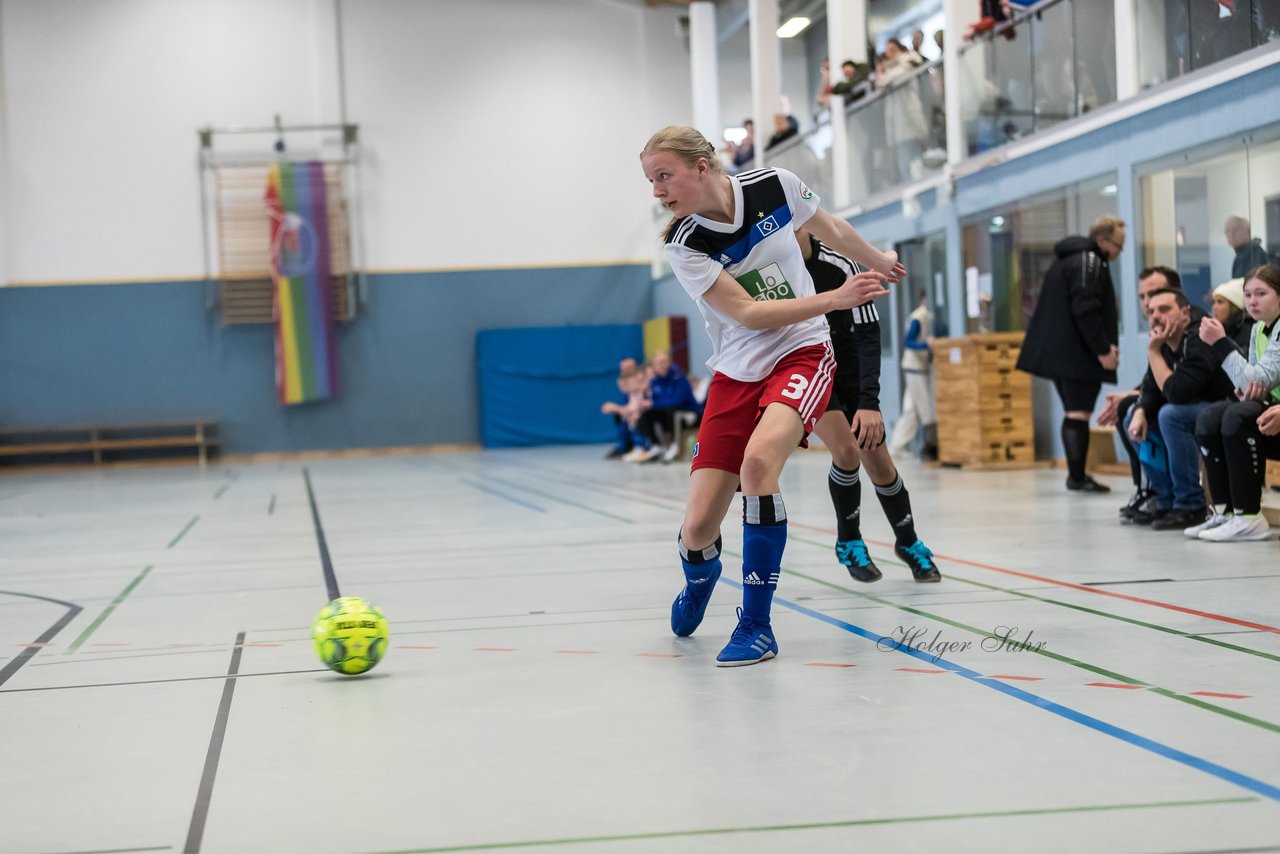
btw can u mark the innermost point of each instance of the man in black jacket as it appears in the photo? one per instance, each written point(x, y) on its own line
point(1183, 377)
point(1073, 334)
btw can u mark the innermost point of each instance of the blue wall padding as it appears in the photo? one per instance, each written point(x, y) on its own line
point(544, 386)
point(144, 352)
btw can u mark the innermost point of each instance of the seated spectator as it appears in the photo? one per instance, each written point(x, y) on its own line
point(623, 443)
point(1230, 439)
point(785, 126)
point(1183, 377)
point(1228, 309)
point(1116, 410)
point(633, 386)
point(670, 392)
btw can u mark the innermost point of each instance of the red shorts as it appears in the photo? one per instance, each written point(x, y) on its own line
point(801, 380)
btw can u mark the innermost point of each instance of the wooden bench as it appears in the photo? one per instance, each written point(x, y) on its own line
point(107, 443)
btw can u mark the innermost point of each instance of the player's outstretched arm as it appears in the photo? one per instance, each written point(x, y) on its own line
point(844, 238)
point(728, 297)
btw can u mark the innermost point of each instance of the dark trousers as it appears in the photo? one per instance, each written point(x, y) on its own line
point(1235, 453)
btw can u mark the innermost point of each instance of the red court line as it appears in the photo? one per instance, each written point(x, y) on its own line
point(1216, 694)
point(826, 664)
point(1017, 678)
point(1166, 605)
point(917, 670)
point(494, 649)
point(1114, 685)
point(32, 645)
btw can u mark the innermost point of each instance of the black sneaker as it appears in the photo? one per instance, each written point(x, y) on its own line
point(1086, 484)
point(1146, 512)
point(1180, 519)
point(1140, 496)
point(920, 559)
point(852, 554)
point(615, 454)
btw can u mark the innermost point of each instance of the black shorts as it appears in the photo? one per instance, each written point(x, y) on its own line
point(844, 395)
point(1078, 395)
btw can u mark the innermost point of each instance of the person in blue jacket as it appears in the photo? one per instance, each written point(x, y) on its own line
point(671, 392)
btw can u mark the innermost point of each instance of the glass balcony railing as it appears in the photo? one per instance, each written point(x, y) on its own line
point(808, 156)
point(1177, 36)
point(1053, 63)
point(898, 135)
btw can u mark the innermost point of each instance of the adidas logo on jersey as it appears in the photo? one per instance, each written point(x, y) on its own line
point(752, 579)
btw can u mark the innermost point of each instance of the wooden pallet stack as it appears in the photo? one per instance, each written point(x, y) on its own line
point(984, 402)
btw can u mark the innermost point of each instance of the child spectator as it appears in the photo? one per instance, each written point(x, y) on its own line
point(1231, 442)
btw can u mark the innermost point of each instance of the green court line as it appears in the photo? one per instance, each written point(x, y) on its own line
point(1129, 620)
point(183, 532)
point(522, 487)
point(1102, 671)
point(820, 825)
point(1163, 692)
point(93, 627)
point(223, 489)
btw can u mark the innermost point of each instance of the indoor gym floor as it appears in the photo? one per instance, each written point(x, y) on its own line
point(534, 698)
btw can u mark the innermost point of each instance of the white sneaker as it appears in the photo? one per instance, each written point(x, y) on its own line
point(671, 454)
point(634, 455)
point(644, 456)
point(1212, 522)
point(1240, 529)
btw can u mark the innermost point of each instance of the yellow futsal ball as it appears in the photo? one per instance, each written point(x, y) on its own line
point(350, 635)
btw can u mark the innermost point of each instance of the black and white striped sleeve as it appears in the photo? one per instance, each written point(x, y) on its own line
point(865, 313)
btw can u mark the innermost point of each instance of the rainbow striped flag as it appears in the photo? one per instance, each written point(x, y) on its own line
point(306, 353)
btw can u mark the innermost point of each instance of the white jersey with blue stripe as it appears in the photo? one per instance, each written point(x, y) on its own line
point(759, 250)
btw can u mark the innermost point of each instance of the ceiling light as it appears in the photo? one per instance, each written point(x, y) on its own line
point(793, 27)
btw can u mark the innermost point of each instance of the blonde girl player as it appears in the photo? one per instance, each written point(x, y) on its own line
point(731, 244)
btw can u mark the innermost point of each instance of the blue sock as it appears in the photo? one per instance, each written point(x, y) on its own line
point(701, 564)
point(764, 536)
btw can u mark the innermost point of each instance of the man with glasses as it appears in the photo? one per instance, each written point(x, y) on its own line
point(1073, 335)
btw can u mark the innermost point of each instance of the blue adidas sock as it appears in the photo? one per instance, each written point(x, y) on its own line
point(764, 536)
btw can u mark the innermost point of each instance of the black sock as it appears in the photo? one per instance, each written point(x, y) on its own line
point(1075, 441)
point(846, 496)
point(896, 502)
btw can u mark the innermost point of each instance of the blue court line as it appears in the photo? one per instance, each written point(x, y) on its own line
point(502, 495)
point(1163, 750)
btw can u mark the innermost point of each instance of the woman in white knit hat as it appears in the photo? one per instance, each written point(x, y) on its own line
point(1228, 309)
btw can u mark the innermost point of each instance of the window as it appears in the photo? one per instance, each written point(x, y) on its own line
point(1212, 213)
point(1006, 251)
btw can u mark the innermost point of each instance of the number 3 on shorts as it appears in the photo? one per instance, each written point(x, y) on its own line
point(795, 388)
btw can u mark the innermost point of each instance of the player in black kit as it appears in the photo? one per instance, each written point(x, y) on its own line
point(853, 430)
